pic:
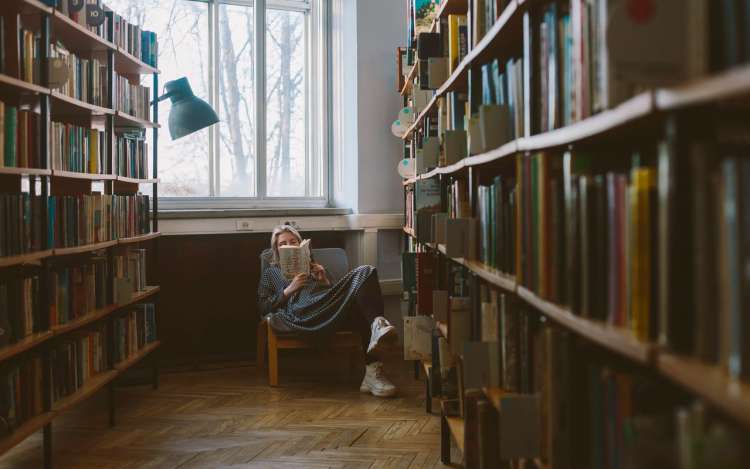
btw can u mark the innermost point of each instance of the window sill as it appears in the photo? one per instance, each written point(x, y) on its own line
point(250, 213)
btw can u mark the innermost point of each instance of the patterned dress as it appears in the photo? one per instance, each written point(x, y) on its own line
point(315, 308)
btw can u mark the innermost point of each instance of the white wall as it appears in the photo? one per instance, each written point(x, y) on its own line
point(366, 153)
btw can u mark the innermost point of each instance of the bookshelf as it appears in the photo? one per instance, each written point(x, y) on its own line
point(654, 133)
point(42, 259)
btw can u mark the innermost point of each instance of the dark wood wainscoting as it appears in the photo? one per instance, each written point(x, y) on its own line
point(207, 306)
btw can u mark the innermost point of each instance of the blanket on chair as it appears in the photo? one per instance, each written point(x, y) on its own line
point(314, 309)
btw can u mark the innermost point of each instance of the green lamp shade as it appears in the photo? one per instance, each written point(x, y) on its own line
point(189, 113)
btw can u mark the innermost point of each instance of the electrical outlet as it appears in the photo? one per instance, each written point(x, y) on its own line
point(244, 225)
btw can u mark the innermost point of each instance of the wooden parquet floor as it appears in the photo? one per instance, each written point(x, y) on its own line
point(230, 418)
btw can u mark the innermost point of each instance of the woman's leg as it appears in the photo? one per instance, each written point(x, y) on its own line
point(366, 307)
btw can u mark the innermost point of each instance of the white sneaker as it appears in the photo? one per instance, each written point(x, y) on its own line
point(382, 333)
point(375, 381)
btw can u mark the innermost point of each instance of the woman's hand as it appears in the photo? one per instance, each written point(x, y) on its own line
point(318, 272)
point(298, 282)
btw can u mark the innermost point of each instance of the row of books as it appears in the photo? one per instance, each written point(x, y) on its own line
point(86, 77)
point(589, 238)
point(77, 360)
point(496, 207)
point(28, 55)
point(88, 219)
point(500, 87)
point(20, 311)
point(131, 153)
point(19, 137)
point(21, 230)
point(20, 393)
point(139, 43)
point(605, 416)
point(78, 149)
point(134, 331)
point(71, 220)
point(132, 99)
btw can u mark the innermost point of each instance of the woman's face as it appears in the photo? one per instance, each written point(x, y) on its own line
point(287, 239)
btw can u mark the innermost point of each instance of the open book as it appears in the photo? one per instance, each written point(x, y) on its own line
point(295, 259)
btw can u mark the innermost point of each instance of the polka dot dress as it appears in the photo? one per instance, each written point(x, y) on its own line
point(314, 308)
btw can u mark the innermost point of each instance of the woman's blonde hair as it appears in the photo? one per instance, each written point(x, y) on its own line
point(286, 228)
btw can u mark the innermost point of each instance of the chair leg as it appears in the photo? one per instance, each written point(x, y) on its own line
point(273, 358)
point(262, 343)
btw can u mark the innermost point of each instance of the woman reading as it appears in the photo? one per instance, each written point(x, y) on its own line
point(310, 304)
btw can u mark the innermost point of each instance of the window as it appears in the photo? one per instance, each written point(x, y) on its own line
point(268, 149)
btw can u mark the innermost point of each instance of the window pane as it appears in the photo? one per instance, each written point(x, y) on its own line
point(236, 101)
point(182, 31)
point(287, 149)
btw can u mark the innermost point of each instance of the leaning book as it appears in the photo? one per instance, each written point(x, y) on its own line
point(295, 259)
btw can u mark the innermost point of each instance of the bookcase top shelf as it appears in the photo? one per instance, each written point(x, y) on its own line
point(649, 104)
point(80, 40)
point(36, 340)
point(497, 39)
point(124, 119)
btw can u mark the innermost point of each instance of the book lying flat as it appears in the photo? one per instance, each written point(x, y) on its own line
point(295, 259)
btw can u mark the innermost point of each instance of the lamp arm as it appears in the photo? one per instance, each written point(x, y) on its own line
point(162, 97)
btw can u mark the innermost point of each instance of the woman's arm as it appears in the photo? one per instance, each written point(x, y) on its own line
point(318, 272)
point(271, 291)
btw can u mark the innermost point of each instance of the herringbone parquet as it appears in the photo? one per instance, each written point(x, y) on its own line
point(230, 418)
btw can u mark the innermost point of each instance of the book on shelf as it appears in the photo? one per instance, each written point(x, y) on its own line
point(132, 98)
point(133, 331)
point(426, 274)
point(79, 358)
point(21, 394)
point(418, 337)
point(21, 314)
point(83, 219)
point(294, 260)
point(21, 230)
point(19, 137)
point(77, 290)
point(78, 149)
point(131, 153)
point(86, 77)
point(134, 40)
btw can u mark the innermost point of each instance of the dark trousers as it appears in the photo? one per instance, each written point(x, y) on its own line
point(367, 305)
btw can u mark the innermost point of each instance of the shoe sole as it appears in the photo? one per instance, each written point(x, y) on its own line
point(384, 341)
point(366, 389)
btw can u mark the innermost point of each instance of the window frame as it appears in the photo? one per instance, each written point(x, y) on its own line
point(317, 110)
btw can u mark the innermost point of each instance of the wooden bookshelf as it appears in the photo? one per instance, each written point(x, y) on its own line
point(24, 344)
point(733, 83)
point(89, 388)
point(710, 382)
point(64, 106)
point(137, 357)
point(609, 337)
point(495, 395)
point(55, 106)
point(490, 275)
point(14, 85)
point(139, 239)
point(457, 426)
point(83, 249)
point(24, 431)
point(76, 37)
point(25, 171)
point(491, 42)
point(104, 312)
point(126, 120)
point(30, 258)
point(82, 176)
point(128, 64)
